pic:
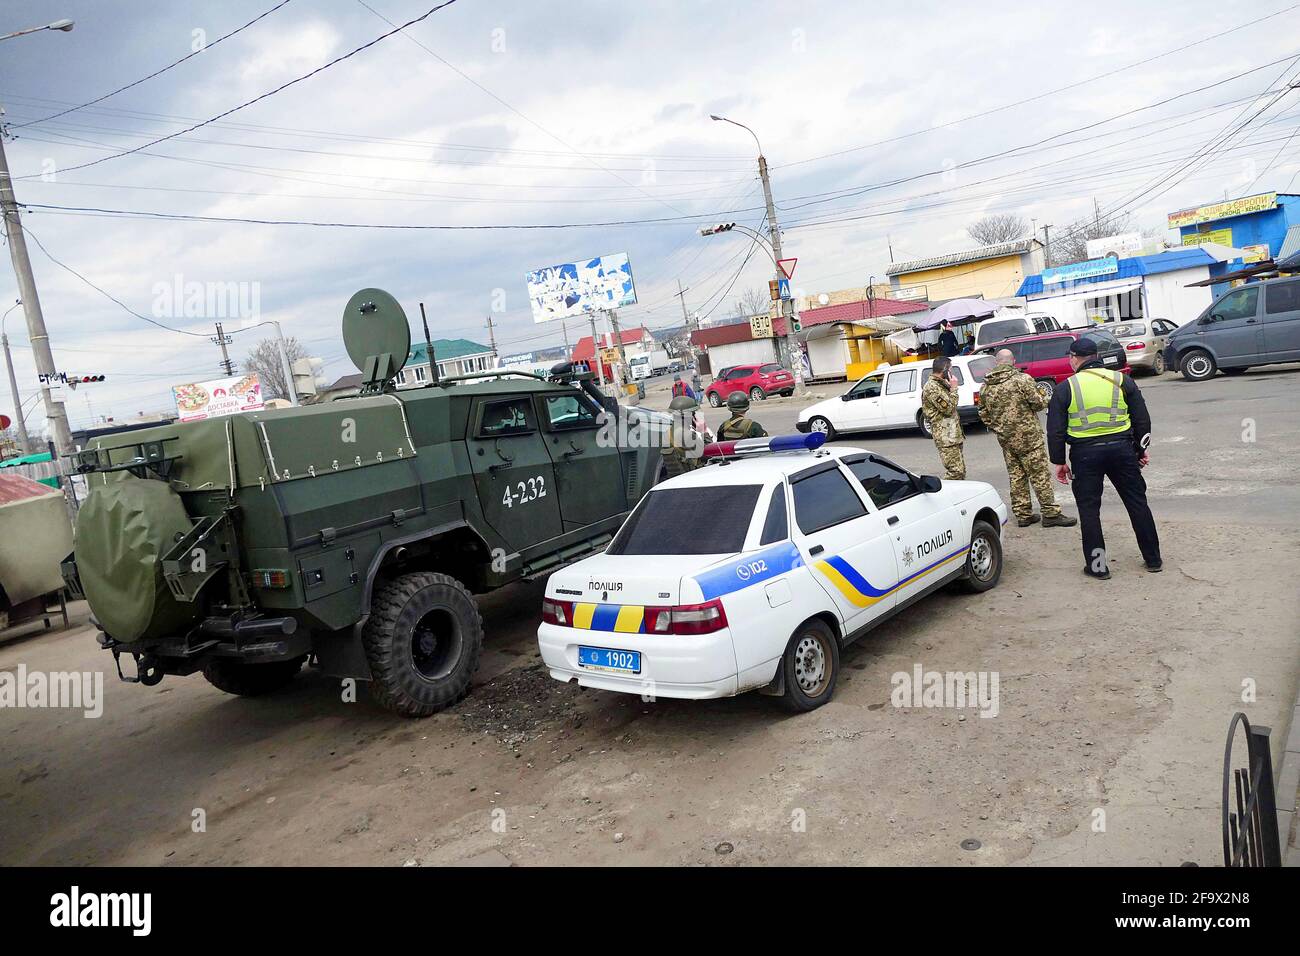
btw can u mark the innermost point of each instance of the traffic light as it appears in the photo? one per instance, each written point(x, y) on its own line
point(795, 324)
point(72, 381)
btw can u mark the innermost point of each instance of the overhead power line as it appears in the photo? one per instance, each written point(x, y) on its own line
point(143, 79)
point(269, 93)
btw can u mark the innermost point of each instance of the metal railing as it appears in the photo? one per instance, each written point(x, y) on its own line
point(1250, 828)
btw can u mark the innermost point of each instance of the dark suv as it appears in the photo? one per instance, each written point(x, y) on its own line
point(1046, 358)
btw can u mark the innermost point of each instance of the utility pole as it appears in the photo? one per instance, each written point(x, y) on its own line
point(595, 351)
point(774, 232)
point(1047, 246)
point(691, 327)
point(55, 413)
point(620, 376)
point(13, 390)
point(222, 339)
point(492, 341)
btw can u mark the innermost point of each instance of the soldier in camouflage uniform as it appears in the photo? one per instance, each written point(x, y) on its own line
point(738, 426)
point(685, 443)
point(939, 405)
point(1009, 406)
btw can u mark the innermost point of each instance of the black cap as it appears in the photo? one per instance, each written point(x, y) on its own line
point(1082, 346)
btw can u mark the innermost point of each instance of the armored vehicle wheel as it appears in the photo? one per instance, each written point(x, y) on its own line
point(423, 640)
point(250, 680)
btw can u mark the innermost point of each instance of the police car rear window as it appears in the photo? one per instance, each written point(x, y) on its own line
point(689, 521)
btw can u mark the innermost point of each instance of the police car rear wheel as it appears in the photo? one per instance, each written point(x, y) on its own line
point(811, 666)
point(984, 560)
point(1198, 365)
point(823, 425)
point(715, 399)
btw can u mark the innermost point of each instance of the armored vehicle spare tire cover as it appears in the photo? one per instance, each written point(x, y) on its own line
point(123, 530)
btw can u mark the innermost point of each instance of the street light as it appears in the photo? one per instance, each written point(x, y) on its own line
point(63, 26)
point(774, 231)
point(56, 415)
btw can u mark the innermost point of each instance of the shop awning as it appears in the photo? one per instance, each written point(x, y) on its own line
point(1095, 292)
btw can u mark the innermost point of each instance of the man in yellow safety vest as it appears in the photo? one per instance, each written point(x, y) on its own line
point(1101, 414)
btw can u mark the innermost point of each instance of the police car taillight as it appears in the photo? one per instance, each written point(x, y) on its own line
point(686, 618)
point(557, 612)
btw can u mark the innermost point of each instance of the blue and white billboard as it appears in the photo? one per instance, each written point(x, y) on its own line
point(576, 288)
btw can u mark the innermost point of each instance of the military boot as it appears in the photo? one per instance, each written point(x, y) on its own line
point(1059, 521)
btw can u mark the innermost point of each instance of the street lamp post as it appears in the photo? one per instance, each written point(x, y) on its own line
point(55, 413)
point(774, 231)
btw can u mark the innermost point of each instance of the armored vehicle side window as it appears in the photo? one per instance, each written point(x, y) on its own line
point(569, 411)
point(825, 499)
point(510, 417)
point(697, 520)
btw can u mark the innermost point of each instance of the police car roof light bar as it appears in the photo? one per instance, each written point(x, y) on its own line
point(759, 446)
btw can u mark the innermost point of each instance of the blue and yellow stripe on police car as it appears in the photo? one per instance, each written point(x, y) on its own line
point(620, 618)
point(860, 592)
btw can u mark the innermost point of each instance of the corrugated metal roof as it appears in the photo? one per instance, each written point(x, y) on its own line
point(1175, 259)
point(862, 311)
point(1014, 248)
point(1290, 245)
point(1134, 267)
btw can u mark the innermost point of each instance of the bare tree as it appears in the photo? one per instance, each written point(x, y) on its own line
point(264, 359)
point(1070, 244)
point(997, 228)
point(753, 302)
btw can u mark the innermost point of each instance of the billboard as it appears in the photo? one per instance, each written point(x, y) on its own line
point(1222, 210)
point(1118, 246)
point(576, 288)
point(222, 396)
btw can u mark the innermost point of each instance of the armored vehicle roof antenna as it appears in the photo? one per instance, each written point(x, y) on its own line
point(428, 347)
point(377, 337)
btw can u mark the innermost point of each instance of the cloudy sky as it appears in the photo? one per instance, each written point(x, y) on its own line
point(882, 123)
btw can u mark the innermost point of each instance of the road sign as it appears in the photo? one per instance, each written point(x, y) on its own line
point(787, 267)
point(5, 422)
point(784, 288)
point(760, 326)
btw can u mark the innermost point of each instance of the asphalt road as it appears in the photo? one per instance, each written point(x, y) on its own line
point(1107, 747)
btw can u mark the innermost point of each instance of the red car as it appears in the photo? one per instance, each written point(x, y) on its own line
point(756, 381)
point(1046, 357)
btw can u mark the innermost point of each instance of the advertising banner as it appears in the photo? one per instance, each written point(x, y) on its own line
point(222, 396)
point(1222, 210)
point(577, 288)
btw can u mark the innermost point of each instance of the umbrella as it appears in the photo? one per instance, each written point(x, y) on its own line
point(958, 310)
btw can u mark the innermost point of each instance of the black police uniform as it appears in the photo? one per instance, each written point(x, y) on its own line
point(1112, 456)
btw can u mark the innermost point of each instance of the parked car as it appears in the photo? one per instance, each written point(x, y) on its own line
point(1256, 324)
point(1046, 358)
point(998, 329)
point(757, 381)
point(1144, 342)
point(890, 397)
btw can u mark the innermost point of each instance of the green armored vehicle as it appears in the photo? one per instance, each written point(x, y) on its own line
point(353, 533)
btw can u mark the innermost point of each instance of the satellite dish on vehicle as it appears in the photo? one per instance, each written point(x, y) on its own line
point(376, 336)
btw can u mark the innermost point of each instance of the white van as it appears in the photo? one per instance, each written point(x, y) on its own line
point(1004, 326)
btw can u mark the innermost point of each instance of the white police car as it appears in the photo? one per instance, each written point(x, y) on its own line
point(752, 573)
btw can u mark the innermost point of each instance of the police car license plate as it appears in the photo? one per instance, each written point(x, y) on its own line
point(608, 659)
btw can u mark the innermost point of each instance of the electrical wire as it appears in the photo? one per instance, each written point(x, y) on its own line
point(175, 63)
point(269, 93)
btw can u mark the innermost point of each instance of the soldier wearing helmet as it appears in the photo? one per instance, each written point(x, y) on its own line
point(687, 437)
point(738, 425)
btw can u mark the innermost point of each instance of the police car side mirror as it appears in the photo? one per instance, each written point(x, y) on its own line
point(928, 484)
point(847, 397)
